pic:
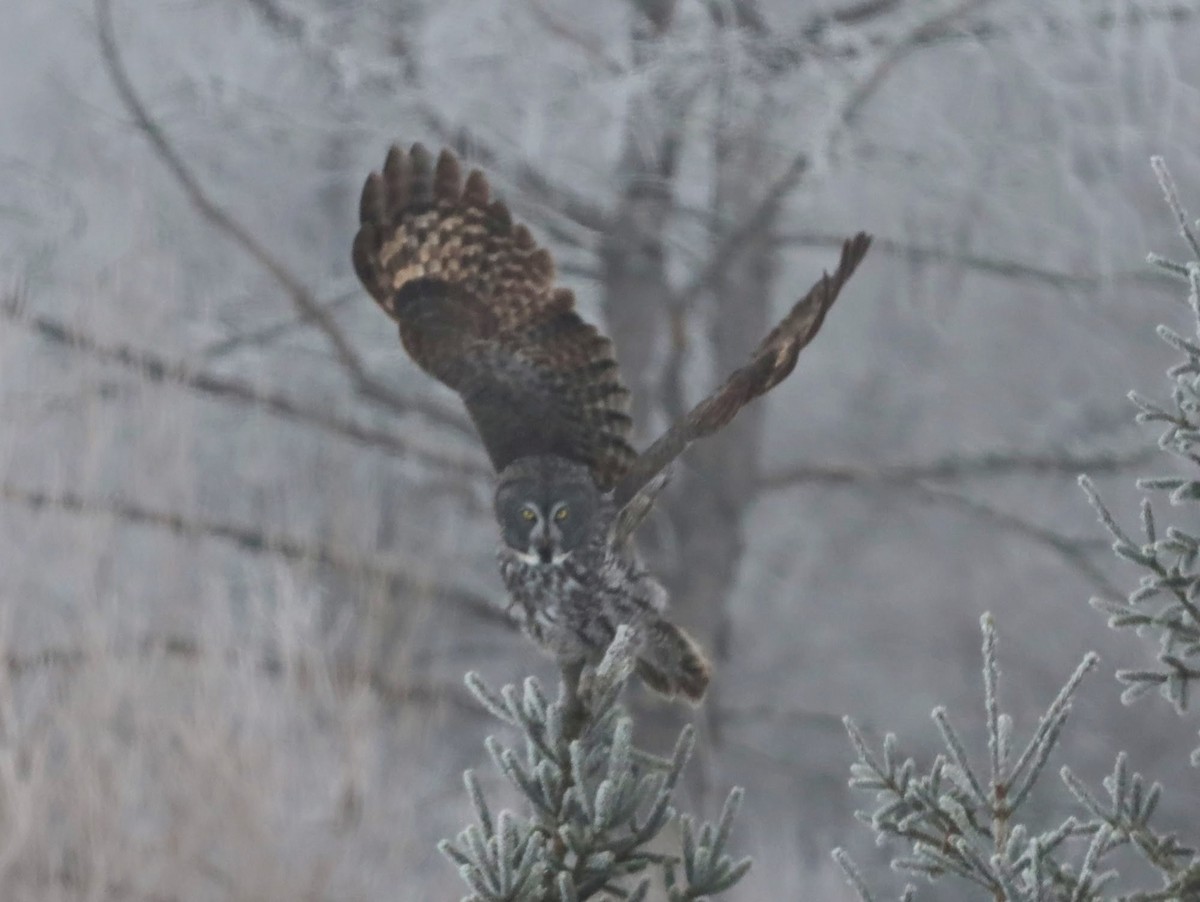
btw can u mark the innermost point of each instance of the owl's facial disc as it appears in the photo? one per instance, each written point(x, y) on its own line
point(528, 530)
point(544, 508)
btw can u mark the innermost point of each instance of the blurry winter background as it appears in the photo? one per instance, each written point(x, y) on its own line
point(245, 553)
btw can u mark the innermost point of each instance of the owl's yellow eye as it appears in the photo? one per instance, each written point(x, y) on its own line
point(560, 514)
point(528, 515)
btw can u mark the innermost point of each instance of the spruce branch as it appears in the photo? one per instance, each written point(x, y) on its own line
point(954, 820)
point(1159, 165)
point(1125, 818)
point(593, 802)
point(854, 877)
point(1166, 601)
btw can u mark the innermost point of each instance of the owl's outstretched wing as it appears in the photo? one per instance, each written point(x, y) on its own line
point(478, 309)
point(770, 365)
point(634, 512)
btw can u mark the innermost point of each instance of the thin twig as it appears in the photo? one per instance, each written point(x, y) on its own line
point(1069, 550)
point(862, 11)
point(154, 368)
point(539, 194)
point(996, 266)
point(759, 220)
point(931, 29)
point(808, 717)
point(959, 466)
point(591, 48)
point(181, 648)
point(255, 541)
point(308, 306)
point(763, 217)
point(264, 335)
point(72, 659)
point(528, 179)
point(1172, 196)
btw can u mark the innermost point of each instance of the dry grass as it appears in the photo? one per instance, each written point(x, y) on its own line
point(181, 717)
point(194, 770)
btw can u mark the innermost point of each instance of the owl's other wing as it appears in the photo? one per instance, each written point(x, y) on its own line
point(634, 512)
point(478, 309)
point(770, 365)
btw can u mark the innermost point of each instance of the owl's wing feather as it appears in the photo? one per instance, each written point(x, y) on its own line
point(478, 309)
point(634, 512)
point(771, 363)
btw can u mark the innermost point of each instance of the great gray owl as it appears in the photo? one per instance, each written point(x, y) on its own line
point(478, 310)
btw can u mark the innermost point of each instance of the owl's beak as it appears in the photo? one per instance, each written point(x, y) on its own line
point(541, 543)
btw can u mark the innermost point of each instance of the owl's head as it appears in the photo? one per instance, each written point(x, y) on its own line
point(546, 506)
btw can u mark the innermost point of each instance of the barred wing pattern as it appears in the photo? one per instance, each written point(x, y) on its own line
point(478, 309)
point(771, 364)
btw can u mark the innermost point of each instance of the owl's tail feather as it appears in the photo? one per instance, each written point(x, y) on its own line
point(672, 663)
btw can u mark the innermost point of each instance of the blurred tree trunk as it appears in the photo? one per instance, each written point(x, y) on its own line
point(717, 487)
point(633, 257)
point(633, 252)
point(704, 510)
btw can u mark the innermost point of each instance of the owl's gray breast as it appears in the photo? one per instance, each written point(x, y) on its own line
point(552, 602)
point(572, 607)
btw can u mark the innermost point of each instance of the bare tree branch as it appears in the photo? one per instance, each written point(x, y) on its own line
point(959, 467)
point(539, 192)
point(72, 659)
point(763, 217)
point(591, 49)
point(758, 221)
point(1073, 552)
point(746, 15)
point(285, 21)
point(935, 27)
point(863, 11)
point(1107, 18)
point(814, 39)
point(264, 335)
point(309, 307)
point(154, 368)
point(546, 203)
point(911, 478)
point(753, 712)
point(940, 26)
point(953, 467)
point(254, 541)
point(527, 178)
point(997, 266)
